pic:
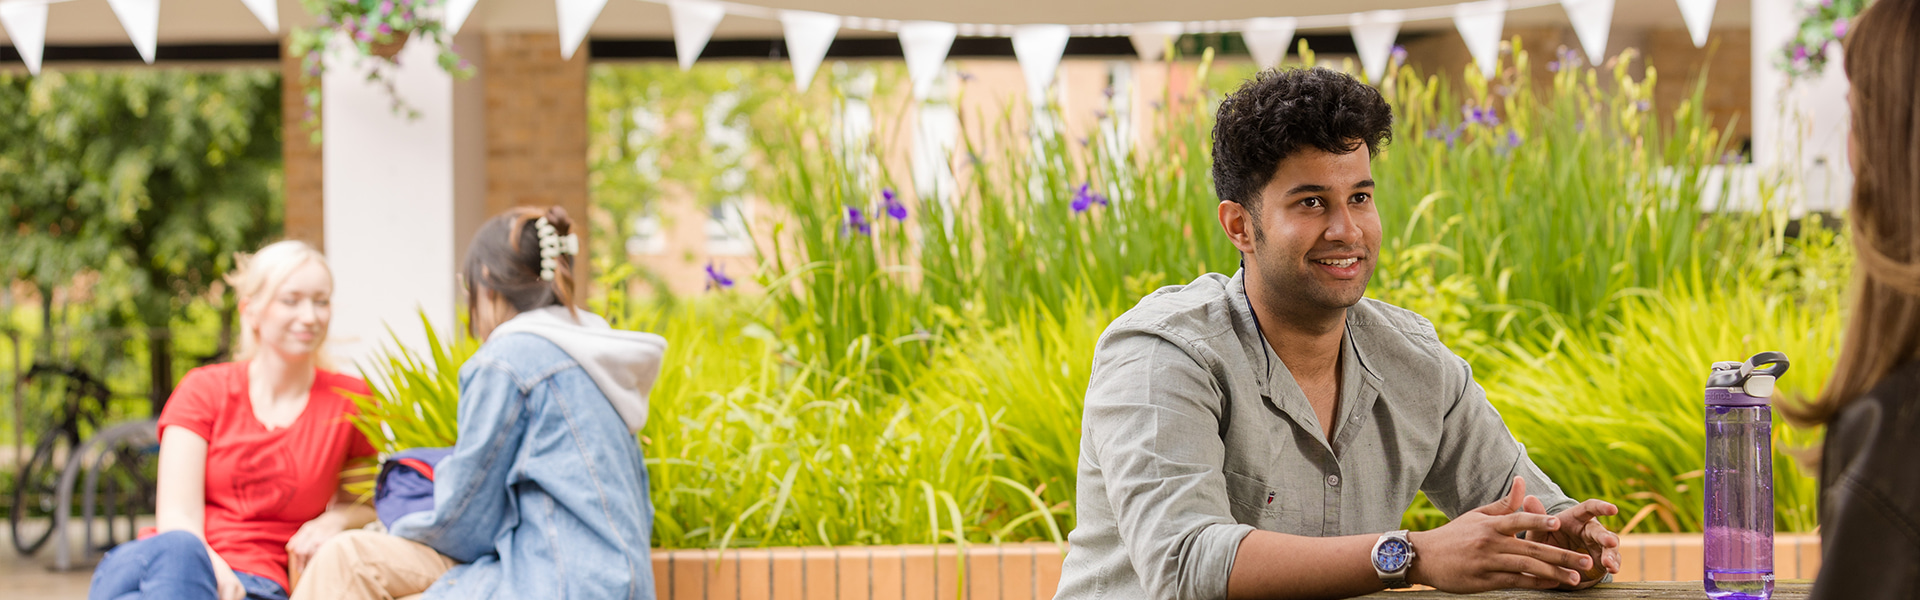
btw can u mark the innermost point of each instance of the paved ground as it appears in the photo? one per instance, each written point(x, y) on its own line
point(31, 578)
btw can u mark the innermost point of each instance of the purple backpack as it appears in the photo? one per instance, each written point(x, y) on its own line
point(405, 483)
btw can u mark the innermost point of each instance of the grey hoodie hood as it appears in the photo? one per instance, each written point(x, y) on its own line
point(623, 363)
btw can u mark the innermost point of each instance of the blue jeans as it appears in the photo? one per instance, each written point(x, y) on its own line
point(172, 565)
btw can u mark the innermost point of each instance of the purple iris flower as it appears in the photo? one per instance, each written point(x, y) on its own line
point(1840, 27)
point(1447, 134)
point(1483, 116)
point(857, 221)
point(1643, 106)
point(1800, 53)
point(1084, 198)
point(716, 278)
point(1399, 55)
point(386, 29)
point(1513, 139)
point(893, 206)
point(1568, 59)
point(386, 8)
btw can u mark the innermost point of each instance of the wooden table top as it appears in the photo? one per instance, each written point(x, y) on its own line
point(1652, 590)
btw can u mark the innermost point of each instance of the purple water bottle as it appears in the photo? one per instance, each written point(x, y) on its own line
point(1739, 519)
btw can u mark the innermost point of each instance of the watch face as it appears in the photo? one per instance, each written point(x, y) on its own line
point(1391, 556)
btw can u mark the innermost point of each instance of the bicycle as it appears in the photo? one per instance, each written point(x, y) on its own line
point(122, 475)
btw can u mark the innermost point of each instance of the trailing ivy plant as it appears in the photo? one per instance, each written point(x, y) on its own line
point(376, 29)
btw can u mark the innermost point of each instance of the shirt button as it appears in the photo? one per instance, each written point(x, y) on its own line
point(1333, 480)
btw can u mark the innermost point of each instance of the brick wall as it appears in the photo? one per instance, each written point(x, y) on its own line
point(1727, 60)
point(1669, 51)
point(1031, 571)
point(304, 218)
point(536, 128)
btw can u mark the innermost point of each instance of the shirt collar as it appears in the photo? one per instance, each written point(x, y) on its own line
point(1359, 385)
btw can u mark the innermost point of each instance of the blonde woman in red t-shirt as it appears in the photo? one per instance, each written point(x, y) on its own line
point(251, 451)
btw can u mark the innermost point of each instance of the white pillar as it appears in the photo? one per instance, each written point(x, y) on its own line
point(1799, 131)
point(1773, 23)
point(394, 192)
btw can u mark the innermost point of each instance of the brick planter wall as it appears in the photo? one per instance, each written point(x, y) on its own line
point(1032, 571)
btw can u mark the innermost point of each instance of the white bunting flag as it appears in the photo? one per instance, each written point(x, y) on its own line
point(693, 23)
point(267, 11)
point(1038, 48)
point(1699, 17)
point(141, 19)
point(1267, 39)
point(925, 45)
point(457, 13)
point(576, 17)
point(1591, 20)
point(1150, 39)
point(1479, 24)
point(809, 34)
point(26, 25)
point(1373, 35)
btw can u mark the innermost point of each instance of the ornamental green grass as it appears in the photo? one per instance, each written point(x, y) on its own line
point(920, 379)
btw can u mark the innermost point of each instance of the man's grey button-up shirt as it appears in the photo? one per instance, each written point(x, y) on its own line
point(1195, 434)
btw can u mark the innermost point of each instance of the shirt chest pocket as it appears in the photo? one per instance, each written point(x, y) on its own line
point(1259, 503)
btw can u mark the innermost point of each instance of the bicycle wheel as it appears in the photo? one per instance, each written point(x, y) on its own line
point(34, 493)
point(127, 483)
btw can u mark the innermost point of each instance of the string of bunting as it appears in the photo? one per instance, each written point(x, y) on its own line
point(925, 44)
point(1039, 47)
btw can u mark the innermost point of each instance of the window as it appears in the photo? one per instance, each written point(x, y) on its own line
point(1116, 120)
point(727, 218)
point(936, 134)
point(648, 237)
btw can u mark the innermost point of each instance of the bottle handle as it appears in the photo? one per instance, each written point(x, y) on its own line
point(1775, 362)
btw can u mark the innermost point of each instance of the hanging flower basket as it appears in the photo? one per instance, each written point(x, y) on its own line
point(389, 49)
point(1825, 23)
point(376, 30)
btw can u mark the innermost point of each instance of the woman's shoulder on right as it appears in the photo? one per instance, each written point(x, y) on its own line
point(517, 348)
point(342, 381)
point(1895, 396)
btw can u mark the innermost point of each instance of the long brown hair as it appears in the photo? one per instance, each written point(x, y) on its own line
point(1883, 331)
point(505, 257)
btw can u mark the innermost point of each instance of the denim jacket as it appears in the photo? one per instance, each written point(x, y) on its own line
point(545, 494)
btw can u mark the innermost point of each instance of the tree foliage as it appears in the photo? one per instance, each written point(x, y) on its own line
point(150, 179)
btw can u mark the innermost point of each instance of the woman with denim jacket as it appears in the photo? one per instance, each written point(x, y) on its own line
point(545, 492)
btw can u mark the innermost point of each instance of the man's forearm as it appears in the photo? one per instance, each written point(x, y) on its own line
point(1277, 565)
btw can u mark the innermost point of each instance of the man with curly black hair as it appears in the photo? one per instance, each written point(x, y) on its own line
point(1252, 436)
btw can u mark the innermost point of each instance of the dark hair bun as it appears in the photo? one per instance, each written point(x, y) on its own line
point(505, 257)
point(557, 217)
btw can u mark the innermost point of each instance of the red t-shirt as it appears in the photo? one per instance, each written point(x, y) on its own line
point(263, 485)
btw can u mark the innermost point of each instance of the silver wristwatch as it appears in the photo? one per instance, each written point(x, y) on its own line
point(1392, 556)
